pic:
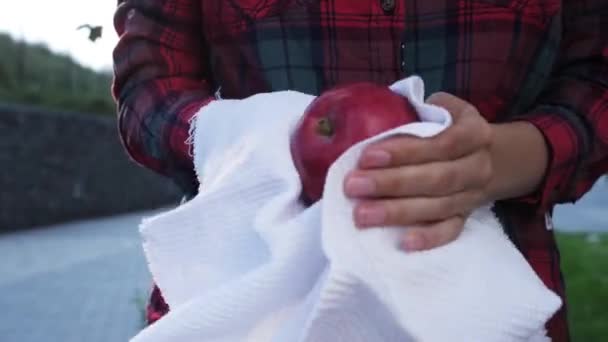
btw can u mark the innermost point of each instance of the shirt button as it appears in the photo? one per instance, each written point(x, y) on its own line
point(387, 5)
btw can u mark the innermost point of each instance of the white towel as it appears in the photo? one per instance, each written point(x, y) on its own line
point(245, 261)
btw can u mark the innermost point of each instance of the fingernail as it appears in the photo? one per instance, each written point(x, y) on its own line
point(412, 243)
point(376, 158)
point(366, 216)
point(360, 186)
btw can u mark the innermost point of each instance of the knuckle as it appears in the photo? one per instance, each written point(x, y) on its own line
point(434, 209)
point(434, 181)
point(394, 214)
point(402, 149)
point(391, 213)
point(447, 206)
point(445, 144)
point(443, 180)
point(452, 179)
point(394, 148)
point(390, 184)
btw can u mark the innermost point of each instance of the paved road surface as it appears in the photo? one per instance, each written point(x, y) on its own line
point(87, 281)
point(590, 214)
point(79, 282)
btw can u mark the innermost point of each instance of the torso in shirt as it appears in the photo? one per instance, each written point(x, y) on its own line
point(497, 54)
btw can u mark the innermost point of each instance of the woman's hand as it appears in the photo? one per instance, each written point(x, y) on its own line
point(429, 185)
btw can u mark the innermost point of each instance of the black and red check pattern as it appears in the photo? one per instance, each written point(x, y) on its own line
point(543, 61)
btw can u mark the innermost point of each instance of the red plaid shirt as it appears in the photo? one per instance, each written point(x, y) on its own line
point(543, 61)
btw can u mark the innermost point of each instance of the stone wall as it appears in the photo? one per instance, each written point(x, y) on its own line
point(57, 167)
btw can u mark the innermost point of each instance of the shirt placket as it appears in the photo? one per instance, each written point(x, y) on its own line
point(392, 10)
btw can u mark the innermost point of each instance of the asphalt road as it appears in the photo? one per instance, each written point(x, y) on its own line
point(589, 214)
point(84, 281)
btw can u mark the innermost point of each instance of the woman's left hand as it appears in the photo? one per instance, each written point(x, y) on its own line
point(429, 185)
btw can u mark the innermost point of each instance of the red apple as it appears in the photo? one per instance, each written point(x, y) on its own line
point(338, 119)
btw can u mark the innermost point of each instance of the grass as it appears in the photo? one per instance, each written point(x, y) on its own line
point(585, 267)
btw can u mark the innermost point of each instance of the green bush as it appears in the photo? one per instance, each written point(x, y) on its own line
point(33, 75)
point(585, 267)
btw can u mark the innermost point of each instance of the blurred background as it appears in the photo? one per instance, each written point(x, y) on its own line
point(71, 266)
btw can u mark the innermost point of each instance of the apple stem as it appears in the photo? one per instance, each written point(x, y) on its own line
point(324, 127)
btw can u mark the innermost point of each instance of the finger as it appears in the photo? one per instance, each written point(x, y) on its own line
point(431, 180)
point(456, 141)
point(432, 235)
point(464, 136)
point(453, 104)
point(411, 211)
point(464, 115)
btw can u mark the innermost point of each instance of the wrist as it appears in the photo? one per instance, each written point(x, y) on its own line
point(519, 157)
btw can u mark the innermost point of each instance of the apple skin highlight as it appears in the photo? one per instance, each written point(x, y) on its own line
point(338, 119)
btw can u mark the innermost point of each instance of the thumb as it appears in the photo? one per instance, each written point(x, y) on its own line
point(453, 104)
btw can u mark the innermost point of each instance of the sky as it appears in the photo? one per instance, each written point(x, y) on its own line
point(54, 23)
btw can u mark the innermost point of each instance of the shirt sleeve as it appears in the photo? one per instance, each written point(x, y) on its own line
point(572, 111)
point(160, 82)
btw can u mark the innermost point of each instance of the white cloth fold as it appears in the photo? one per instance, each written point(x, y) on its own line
point(245, 261)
